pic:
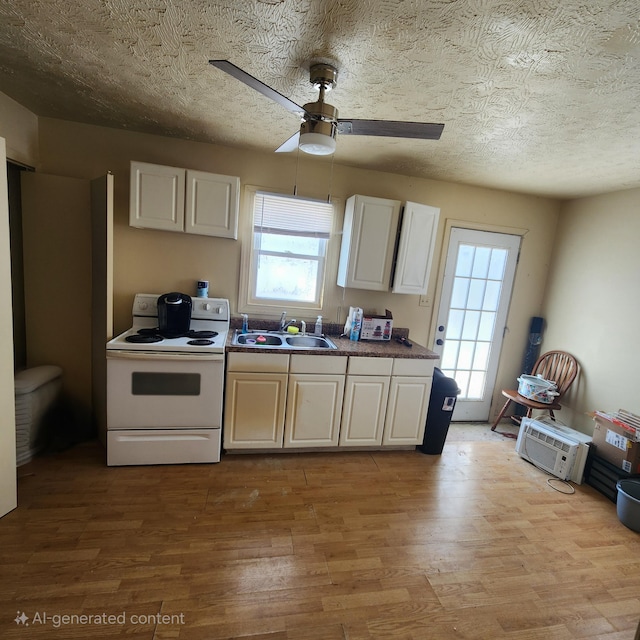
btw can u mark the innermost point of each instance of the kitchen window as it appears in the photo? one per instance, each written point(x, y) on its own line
point(289, 240)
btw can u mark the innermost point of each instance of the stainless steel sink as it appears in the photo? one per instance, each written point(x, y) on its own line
point(309, 342)
point(266, 340)
point(257, 340)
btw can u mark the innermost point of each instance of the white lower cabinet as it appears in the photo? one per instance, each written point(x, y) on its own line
point(275, 401)
point(314, 401)
point(409, 394)
point(365, 401)
point(255, 400)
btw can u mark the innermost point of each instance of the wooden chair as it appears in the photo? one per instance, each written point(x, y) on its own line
point(560, 367)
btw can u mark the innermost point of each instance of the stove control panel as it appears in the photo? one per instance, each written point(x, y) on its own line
point(146, 304)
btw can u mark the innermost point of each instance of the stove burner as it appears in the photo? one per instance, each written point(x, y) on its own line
point(201, 334)
point(144, 339)
point(149, 332)
point(196, 335)
point(200, 342)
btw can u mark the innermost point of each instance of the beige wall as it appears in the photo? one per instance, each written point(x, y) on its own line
point(19, 127)
point(159, 261)
point(592, 303)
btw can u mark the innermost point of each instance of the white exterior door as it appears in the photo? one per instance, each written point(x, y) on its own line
point(472, 314)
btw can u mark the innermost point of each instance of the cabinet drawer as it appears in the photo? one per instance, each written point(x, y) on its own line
point(363, 366)
point(413, 367)
point(318, 364)
point(258, 362)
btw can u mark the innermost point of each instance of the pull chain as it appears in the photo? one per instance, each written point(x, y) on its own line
point(295, 182)
point(330, 178)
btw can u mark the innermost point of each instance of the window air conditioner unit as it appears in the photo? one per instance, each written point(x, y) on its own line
point(554, 447)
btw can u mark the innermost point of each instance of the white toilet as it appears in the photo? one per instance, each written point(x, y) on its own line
point(36, 391)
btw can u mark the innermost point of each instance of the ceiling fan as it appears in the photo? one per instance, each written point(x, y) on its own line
point(320, 121)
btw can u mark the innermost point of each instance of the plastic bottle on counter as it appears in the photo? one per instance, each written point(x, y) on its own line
point(245, 323)
point(317, 330)
point(355, 325)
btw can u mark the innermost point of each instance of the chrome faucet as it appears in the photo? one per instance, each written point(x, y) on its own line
point(288, 324)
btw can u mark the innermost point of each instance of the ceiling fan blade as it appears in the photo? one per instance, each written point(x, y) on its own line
point(289, 145)
point(254, 83)
point(390, 129)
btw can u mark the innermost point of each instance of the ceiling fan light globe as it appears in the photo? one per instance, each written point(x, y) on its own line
point(317, 144)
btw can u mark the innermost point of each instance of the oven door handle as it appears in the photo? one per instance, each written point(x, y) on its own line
point(164, 355)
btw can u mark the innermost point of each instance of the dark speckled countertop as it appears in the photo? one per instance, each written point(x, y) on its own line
point(346, 347)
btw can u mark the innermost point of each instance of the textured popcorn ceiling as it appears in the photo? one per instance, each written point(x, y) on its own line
point(537, 96)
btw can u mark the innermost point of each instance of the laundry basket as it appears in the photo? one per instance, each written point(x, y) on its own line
point(36, 392)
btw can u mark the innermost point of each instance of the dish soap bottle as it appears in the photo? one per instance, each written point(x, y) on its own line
point(317, 330)
point(245, 323)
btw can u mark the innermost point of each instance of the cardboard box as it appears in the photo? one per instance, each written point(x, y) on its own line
point(617, 443)
point(376, 326)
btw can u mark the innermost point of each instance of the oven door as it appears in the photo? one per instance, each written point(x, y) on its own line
point(156, 390)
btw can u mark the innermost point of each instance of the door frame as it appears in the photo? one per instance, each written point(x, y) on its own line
point(8, 471)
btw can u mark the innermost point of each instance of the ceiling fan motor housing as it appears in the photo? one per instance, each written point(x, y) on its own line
point(323, 76)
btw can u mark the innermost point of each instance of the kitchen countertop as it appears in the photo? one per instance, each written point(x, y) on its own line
point(346, 347)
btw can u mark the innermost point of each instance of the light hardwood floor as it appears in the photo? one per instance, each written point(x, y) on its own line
point(352, 546)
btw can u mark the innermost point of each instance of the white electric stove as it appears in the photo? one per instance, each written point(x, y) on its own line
point(164, 395)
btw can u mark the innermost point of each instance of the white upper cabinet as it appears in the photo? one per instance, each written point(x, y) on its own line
point(156, 197)
point(371, 228)
point(415, 248)
point(368, 241)
point(175, 199)
point(212, 204)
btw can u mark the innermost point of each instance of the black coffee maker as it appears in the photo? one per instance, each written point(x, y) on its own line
point(174, 314)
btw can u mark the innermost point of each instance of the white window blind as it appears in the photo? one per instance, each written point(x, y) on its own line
point(281, 214)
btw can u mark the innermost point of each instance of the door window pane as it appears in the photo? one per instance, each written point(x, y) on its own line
point(465, 260)
point(470, 328)
point(492, 296)
point(459, 293)
point(481, 356)
point(454, 326)
point(450, 354)
point(465, 359)
point(497, 264)
point(476, 294)
point(485, 328)
point(481, 262)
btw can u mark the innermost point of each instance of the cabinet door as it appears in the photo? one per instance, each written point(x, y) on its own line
point(406, 410)
point(415, 248)
point(368, 242)
point(212, 203)
point(314, 406)
point(156, 197)
point(363, 413)
point(254, 410)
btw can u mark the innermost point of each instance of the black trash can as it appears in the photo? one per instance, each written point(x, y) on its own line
point(442, 401)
